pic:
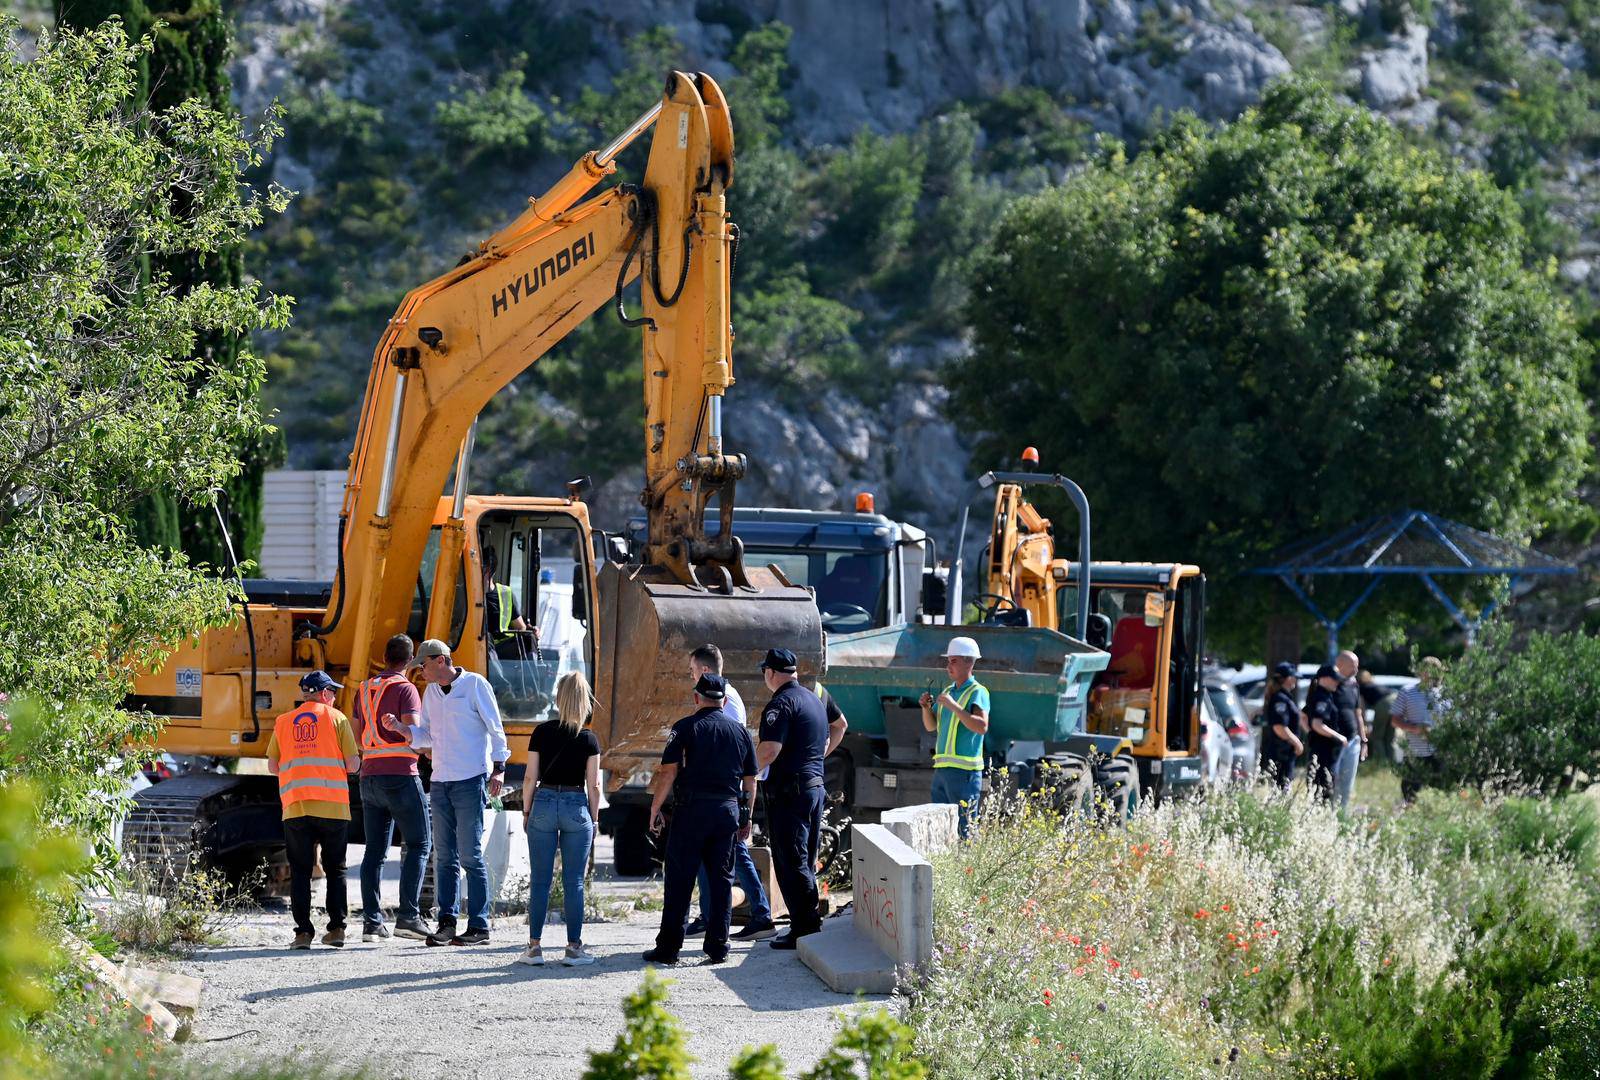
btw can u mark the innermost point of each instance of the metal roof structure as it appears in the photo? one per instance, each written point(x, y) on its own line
point(1413, 543)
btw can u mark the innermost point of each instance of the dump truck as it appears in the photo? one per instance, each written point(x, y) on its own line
point(1069, 709)
point(418, 550)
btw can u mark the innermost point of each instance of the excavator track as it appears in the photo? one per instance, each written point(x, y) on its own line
point(199, 819)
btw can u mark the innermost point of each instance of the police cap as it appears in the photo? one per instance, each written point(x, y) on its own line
point(711, 687)
point(780, 660)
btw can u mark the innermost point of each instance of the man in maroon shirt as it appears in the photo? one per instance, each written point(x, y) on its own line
point(391, 792)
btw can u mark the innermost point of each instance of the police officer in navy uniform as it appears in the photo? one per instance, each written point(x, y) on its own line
point(794, 740)
point(709, 766)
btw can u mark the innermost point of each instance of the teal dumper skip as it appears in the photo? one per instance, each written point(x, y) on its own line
point(1038, 679)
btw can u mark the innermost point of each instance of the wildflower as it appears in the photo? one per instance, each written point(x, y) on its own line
point(969, 869)
point(1224, 907)
point(1113, 964)
point(1089, 953)
point(984, 899)
point(1255, 970)
point(149, 1024)
point(1078, 970)
point(1202, 914)
point(1135, 973)
point(1049, 996)
point(1075, 939)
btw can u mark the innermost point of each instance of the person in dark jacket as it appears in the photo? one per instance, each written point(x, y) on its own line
point(1280, 725)
point(1328, 736)
point(709, 767)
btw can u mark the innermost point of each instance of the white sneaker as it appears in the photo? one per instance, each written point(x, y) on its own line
point(533, 956)
point(578, 956)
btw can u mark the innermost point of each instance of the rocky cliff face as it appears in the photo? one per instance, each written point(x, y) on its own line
point(1117, 65)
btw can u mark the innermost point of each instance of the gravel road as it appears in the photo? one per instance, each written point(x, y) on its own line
point(402, 1009)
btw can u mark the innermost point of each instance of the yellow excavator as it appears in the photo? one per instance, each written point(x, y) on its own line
point(1146, 704)
point(415, 557)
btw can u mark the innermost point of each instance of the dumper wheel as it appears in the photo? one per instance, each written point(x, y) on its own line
point(633, 852)
point(1066, 783)
point(1119, 790)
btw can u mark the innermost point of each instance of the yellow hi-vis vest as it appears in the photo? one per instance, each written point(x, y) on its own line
point(503, 604)
point(958, 746)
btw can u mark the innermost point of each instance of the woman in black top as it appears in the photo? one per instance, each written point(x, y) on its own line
point(561, 797)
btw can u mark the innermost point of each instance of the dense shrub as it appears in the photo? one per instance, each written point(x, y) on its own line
point(1523, 712)
point(1269, 934)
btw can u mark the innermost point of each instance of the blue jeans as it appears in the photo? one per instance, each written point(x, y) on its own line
point(1344, 771)
point(744, 872)
point(388, 801)
point(558, 819)
point(959, 786)
point(458, 845)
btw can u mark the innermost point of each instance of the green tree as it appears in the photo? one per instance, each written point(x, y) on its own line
point(105, 396)
point(1258, 334)
point(190, 45)
point(1522, 712)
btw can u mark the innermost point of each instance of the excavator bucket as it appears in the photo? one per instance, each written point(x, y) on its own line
point(652, 624)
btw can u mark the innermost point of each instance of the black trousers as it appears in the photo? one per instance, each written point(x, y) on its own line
point(302, 836)
point(795, 822)
point(1322, 761)
point(1415, 773)
point(703, 833)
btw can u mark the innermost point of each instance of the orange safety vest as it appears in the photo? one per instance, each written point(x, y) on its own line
point(373, 743)
point(310, 759)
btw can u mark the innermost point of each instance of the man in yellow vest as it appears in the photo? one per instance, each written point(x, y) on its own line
point(312, 752)
point(959, 717)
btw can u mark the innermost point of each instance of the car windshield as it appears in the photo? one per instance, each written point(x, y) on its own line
point(850, 585)
point(1225, 704)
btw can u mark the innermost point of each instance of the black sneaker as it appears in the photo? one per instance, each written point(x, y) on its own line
point(479, 936)
point(415, 929)
point(791, 940)
point(663, 959)
point(374, 931)
point(442, 936)
point(695, 928)
point(716, 958)
point(755, 932)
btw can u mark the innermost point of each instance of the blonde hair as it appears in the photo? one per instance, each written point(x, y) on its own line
point(574, 701)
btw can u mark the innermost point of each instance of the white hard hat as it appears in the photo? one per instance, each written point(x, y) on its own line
point(962, 646)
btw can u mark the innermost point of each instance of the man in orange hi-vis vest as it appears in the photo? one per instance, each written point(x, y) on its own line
point(312, 752)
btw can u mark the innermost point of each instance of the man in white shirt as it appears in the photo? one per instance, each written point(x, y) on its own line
point(707, 660)
point(468, 747)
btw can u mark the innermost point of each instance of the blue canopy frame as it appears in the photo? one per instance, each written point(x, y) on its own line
point(1414, 543)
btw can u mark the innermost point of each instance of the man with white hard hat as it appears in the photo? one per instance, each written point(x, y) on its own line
point(959, 717)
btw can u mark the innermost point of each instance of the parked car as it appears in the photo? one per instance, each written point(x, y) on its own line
point(1216, 748)
point(1234, 719)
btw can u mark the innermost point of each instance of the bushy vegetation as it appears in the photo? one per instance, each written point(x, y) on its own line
point(869, 1046)
point(106, 395)
point(1521, 713)
point(1258, 935)
point(1156, 302)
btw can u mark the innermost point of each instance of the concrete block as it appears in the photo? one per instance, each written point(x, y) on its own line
point(928, 828)
point(892, 895)
point(847, 960)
